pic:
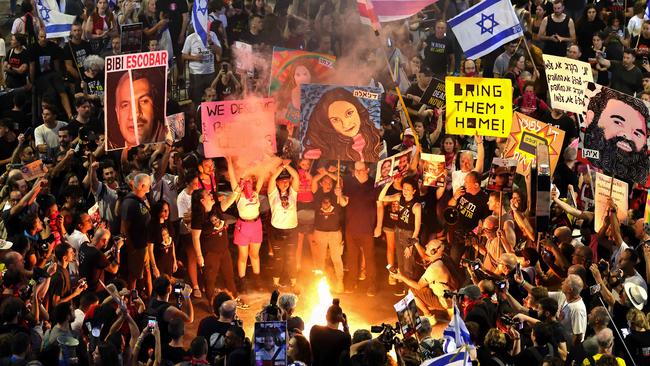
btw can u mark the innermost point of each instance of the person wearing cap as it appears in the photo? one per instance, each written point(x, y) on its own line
point(429, 290)
point(413, 94)
point(283, 195)
point(477, 306)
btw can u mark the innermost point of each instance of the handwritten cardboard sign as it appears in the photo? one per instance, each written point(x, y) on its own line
point(567, 79)
point(619, 195)
point(238, 127)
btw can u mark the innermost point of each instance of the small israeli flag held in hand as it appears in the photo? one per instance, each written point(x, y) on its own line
point(486, 26)
point(200, 19)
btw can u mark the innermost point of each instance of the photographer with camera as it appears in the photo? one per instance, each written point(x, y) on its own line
point(163, 310)
point(104, 192)
point(620, 295)
point(330, 340)
point(429, 290)
point(94, 263)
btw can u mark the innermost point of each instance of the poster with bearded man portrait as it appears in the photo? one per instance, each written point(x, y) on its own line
point(135, 105)
point(616, 134)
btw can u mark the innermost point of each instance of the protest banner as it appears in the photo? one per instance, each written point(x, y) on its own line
point(434, 94)
point(141, 78)
point(567, 79)
point(33, 170)
point(478, 105)
point(270, 343)
point(619, 193)
point(244, 64)
point(131, 38)
point(616, 133)
point(525, 135)
point(175, 126)
point(407, 314)
point(289, 70)
point(502, 173)
point(340, 122)
point(238, 127)
point(390, 167)
point(434, 170)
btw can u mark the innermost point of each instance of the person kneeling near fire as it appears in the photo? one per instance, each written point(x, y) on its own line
point(429, 290)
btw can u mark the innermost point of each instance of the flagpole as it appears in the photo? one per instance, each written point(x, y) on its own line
point(530, 55)
point(399, 94)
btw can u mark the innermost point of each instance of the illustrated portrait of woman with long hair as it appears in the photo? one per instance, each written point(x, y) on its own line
point(340, 128)
point(288, 97)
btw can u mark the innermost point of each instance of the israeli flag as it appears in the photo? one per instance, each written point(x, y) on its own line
point(57, 24)
point(200, 19)
point(449, 359)
point(456, 334)
point(485, 27)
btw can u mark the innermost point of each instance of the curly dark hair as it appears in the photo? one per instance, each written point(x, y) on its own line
point(321, 134)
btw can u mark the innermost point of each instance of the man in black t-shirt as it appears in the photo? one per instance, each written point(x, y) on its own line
point(93, 262)
point(327, 229)
point(60, 289)
point(74, 54)
point(177, 13)
point(45, 69)
point(214, 329)
point(253, 35)
point(438, 50)
point(470, 202)
point(135, 219)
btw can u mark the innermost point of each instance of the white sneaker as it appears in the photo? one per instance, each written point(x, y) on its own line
point(362, 275)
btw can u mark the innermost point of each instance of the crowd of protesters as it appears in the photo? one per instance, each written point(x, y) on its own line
point(106, 254)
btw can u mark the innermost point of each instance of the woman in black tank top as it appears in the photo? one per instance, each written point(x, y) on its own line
point(409, 220)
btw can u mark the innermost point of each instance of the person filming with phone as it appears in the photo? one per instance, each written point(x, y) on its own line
point(61, 288)
point(332, 341)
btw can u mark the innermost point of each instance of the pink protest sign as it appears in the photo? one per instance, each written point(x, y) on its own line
point(239, 128)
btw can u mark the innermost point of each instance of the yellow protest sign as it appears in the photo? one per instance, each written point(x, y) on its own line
point(525, 135)
point(478, 105)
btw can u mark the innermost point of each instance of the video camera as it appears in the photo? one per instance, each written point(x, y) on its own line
point(474, 264)
point(450, 294)
point(43, 245)
point(271, 312)
point(388, 336)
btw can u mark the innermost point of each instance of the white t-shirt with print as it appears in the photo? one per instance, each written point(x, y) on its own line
point(283, 217)
point(194, 46)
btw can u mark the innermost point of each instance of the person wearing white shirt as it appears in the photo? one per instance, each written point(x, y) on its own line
point(201, 62)
point(283, 195)
point(572, 312)
point(46, 136)
point(467, 165)
point(184, 204)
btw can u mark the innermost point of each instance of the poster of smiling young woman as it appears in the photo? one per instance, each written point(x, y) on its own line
point(135, 108)
point(616, 134)
point(340, 122)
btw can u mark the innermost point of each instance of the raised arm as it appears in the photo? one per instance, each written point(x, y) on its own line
point(295, 179)
point(234, 182)
point(481, 154)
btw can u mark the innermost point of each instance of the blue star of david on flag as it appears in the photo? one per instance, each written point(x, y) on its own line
point(44, 11)
point(485, 28)
point(200, 20)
